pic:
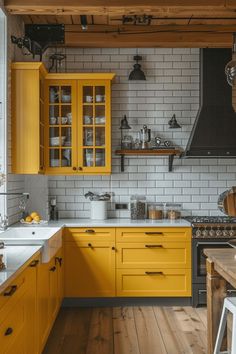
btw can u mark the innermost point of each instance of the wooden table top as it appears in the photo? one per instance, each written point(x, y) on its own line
point(224, 262)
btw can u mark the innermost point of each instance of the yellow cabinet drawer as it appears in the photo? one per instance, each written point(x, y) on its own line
point(11, 294)
point(153, 282)
point(13, 325)
point(153, 255)
point(153, 234)
point(83, 234)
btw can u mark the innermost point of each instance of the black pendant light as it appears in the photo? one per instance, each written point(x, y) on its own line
point(137, 73)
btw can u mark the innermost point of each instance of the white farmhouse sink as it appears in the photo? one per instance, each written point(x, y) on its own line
point(49, 237)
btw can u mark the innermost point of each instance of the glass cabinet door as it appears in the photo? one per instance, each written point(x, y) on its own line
point(41, 125)
point(60, 117)
point(95, 127)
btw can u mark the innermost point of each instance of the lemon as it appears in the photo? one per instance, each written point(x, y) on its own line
point(37, 218)
point(33, 214)
point(28, 218)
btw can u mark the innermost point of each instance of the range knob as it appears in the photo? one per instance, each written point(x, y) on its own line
point(205, 232)
point(198, 233)
point(231, 233)
point(212, 233)
point(225, 233)
point(218, 232)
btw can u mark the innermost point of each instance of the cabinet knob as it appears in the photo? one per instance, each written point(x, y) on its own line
point(74, 168)
point(80, 168)
point(8, 331)
point(53, 269)
point(59, 260)
point(34, 263)
point(11, 291)
point(113, 248)
point(90, 245)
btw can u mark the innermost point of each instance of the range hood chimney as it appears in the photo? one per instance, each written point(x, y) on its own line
point(214, 130)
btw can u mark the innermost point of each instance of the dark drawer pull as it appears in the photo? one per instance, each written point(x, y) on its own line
point(34, 263)
point(59, 260)
point(53, 269)
point(8, 331)
point(90, 231)
point(11, 291)
point(90, 245)
point(154, 273)
point(153, 233)
point(154, 246)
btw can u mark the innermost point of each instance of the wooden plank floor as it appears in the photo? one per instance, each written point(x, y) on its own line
point(129, 330)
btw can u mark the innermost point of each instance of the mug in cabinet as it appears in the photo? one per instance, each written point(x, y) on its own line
point(88, 99)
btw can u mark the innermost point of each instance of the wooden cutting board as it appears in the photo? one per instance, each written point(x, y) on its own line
point(230, 202)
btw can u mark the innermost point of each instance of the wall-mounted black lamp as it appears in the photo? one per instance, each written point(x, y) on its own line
point(84, 22)
point(137, 73)
point(173, 124)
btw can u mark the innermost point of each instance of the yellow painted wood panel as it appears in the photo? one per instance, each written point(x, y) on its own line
point(25, 122)
point(167, 282)
point(91, 234)
point(153, 234)
point(89, 270)
point(153, 255)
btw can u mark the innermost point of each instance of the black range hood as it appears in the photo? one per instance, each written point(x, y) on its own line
point(214, 130)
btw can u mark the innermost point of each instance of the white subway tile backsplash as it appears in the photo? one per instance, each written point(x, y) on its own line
point(172, 87)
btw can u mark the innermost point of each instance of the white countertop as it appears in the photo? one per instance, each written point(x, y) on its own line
point(118, 223)
point(16, 258)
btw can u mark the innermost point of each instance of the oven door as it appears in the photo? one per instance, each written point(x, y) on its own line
point(199, 258)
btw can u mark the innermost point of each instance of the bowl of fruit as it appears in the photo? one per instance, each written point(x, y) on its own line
point(33, 219)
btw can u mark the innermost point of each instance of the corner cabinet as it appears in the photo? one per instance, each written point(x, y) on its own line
point(73, 116)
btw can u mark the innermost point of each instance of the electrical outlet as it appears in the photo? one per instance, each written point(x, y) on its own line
point(121, 206)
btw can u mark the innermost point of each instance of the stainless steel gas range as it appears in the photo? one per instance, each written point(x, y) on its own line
point(207, 232)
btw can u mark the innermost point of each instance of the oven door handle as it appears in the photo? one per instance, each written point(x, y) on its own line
point(211, 243)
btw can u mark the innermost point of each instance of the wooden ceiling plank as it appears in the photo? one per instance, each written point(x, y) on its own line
point(160, 29)
point(188, 40)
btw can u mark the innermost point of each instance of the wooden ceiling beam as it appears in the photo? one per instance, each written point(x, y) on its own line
point(213, 29)
point(162, 40)
point(114, 7)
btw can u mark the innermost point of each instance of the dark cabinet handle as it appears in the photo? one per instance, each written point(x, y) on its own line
point(11, 291)
point(74, 168)
point(59, 260)
point(154, 273)
point(8, 331)
point(154, 246)
point(113, 248)
point(154, 233)
point(90, 245)
point(80, 168)
point(53, 269)
point(89, 231)
point(34, 263)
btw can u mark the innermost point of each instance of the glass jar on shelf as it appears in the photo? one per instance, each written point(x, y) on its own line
point(155, 211)
point(127, 142)
point(173, 211)
point(138, 207)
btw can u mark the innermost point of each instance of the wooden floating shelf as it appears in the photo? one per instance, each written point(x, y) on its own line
point(171, 153)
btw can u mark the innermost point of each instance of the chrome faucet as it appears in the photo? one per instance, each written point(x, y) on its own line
point(3, 223)
point(4, 220)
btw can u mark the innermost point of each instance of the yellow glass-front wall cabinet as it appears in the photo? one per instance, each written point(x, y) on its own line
point(78, 123)
point(28, 118)
point(89, 269)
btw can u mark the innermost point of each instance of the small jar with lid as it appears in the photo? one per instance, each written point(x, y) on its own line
point(173, 211)
point(155, 211)
point(138, 207)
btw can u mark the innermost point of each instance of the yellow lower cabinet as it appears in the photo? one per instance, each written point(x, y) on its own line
point(49, 296)
point(153, 282)
point(18, 314)
point(89, 269)
point(153, 255)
